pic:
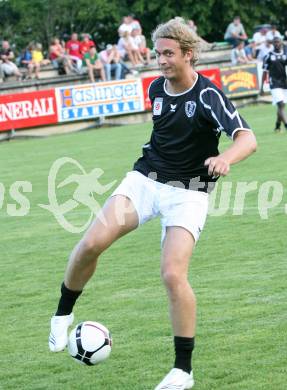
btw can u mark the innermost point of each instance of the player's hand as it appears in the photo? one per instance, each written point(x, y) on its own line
point(217, 166)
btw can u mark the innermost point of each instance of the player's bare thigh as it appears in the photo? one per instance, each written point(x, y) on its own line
point(117, 218)
point(176, 253)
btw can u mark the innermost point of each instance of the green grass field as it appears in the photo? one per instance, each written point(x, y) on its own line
point(238, 272)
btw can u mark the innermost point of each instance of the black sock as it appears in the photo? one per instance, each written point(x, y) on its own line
point(277, 125)
point(285, 126)
point(67, 301)
point(183, 353)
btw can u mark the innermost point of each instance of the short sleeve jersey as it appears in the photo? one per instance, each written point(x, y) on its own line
point(234, 29)
point(275, 64)
point(186, 131)
point(73, 48)
point(92, 59)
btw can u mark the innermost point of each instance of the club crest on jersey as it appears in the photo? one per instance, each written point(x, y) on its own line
point(190, 107)
point(157, 106)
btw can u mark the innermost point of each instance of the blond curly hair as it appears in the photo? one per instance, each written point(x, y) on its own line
point(178, 30)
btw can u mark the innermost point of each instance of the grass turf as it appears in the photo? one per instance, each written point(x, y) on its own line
point(238, 272)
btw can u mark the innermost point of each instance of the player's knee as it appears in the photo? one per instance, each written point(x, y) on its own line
point(90, 248)
point(172, 278)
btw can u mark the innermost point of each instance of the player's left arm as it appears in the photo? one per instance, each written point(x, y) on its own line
point(220, 111)
point(244, 144)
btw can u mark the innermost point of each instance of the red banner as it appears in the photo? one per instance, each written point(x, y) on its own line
point(28, 109)
point(213, 75)
point(146, 83)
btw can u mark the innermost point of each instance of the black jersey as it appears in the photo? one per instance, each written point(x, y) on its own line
point(186, 131)
point(275, 63)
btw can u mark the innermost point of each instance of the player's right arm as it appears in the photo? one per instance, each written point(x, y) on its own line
point(244, 144)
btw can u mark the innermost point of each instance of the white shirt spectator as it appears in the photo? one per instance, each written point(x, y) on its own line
point(128, 25)
point(272, 34)
point(238, 56)
point(259, 39)
point(264, 50)
point(125, 27)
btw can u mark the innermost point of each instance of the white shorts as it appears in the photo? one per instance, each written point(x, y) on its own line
point(279, 95)
point(176, 206)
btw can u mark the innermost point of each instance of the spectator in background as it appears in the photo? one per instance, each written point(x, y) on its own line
point(129, 50)
point(73, 48)
point(134, 22)
point(128, 24)
point(250, 50)
point(8, 68)
point(259, 39)
point(38, 60)
point(238, 55)
point(111, 58)
point(265, 49)
point(94, 64)
point(235, 32)
point(59, 58)
point(86, 44)
point(271, 34)
point(26, 56)
point(140, 42)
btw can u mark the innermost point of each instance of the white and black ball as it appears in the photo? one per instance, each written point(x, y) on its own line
point(90, 343)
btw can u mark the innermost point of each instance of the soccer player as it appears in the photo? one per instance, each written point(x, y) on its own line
point(171, 180)
point(274, 63)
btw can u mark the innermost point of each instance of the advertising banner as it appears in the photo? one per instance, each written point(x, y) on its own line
point(240, 80)
point(213, 75)
point(145, 84)
point(109, 98)
point(27, 110)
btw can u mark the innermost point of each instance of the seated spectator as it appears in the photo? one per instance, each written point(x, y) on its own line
point(140, 42)
point(265, 49)
point(250, 50)
point(86, 44)
point(111, 58)
point(126, 26)
point(26, 60)
point(94, 64)
point(203, 43)
point(26, 56)
point(128, 23)
point(235, 32)
point(128, 49)
point(273, 33)
point(58, 57)
point(134, 22)
point(38, 60)
point(73, 47)
point(8, 68)
point(259, 39)
point(238, 55)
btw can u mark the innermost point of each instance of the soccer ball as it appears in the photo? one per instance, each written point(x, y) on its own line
point(90, 343)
